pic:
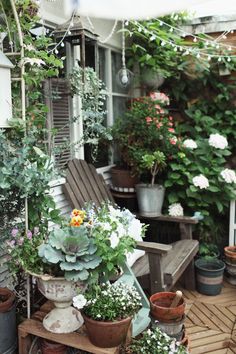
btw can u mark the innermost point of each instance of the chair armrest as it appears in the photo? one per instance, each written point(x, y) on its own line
point(153, 247)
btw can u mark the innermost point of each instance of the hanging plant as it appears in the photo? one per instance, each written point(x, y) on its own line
point(86, 84)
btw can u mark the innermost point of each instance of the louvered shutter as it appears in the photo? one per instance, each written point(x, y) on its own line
point(58, 100)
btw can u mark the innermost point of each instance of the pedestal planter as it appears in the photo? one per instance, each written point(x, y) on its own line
point(161, 310)
point(150, 199)
point(63, 318)
point(8, 333)
point(209, 276)
point(107, 334)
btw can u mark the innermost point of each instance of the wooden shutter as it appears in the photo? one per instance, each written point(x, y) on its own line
point(58, 100)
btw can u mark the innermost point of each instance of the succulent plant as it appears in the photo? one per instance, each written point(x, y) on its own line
point(73, 250)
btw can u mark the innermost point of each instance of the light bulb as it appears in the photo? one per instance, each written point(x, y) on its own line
point(124, 77)
point(229, 59)
point(62, 44)
point(195, 39)
point(219, 59)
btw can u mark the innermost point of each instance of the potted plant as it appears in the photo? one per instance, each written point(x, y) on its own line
point(107, 311)
point(96, 242)
point(156, 342)
point(147, 130)
point(150, 195)
point(208, 250)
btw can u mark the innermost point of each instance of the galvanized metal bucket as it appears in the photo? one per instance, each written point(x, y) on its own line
point(8, 335)
point(150, 199)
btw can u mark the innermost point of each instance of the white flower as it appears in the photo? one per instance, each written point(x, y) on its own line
point(201, 182)
point(176, 209)
point(33, 61)
point(79, 301)
point(218, 141)
point(135, 229)
point(114, 240)
point(228, 175)
point(190, 144)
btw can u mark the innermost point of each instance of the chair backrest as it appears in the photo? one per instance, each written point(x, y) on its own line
point(84, 184)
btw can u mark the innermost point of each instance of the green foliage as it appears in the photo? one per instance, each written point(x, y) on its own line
point(154, 162)
point(156, 342)
point(110, 302)
point(208, 250)
point(22, 248)
point(92, 91)
point(72, 250)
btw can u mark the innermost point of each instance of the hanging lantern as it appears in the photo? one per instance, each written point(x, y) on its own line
point(124, 76)
point(5, 90)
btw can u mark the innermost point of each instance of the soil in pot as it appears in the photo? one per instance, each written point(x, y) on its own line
point(107, 334)
point(161, 310)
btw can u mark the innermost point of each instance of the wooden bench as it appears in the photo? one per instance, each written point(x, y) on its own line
point(162, 265)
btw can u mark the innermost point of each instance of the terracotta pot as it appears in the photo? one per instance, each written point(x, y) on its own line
point(230, 254)
point(7, 298)
point(122, 178)
point(49, 347)
point(160, 307)
point(107, 334)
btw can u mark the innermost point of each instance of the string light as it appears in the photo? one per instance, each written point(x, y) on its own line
point(198, 52)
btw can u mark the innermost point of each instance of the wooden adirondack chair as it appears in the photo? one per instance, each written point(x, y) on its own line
point(162, 264)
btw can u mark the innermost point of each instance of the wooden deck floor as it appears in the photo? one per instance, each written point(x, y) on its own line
point(211, 321)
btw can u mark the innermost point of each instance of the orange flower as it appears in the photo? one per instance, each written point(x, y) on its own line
point(76, 221)
point(77, 212)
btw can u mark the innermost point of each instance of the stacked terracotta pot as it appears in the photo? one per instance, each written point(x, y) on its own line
point(167, 313)
point(230, 260)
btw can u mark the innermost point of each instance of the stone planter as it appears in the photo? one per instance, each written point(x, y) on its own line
point(150, 199)
point(107, 334)
point(63, 318)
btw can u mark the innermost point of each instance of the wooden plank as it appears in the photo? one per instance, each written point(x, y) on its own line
point(177, 219)
point(210, 344)
point(74, 340)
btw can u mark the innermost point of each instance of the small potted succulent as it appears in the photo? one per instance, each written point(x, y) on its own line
point(107, 311)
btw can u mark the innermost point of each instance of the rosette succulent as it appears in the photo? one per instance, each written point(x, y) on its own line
point(72, 250)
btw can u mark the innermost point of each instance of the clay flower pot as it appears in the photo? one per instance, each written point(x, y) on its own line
point(107, 334)
point(7, 298)
point(230, 254)
point(160, 307)
point(49, 347)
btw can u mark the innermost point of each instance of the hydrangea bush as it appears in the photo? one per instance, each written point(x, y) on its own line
point(200, 180)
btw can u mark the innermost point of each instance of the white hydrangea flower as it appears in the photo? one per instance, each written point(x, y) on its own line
point(201, 182)
point(176, 209)
point(218, 141)
point(135, 230)
point(228, 175)
point(79, 301)
point(190, 144)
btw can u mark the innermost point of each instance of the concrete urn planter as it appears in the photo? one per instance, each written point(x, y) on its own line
point(63, 318)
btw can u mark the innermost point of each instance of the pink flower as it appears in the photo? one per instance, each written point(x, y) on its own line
point(11, 243)
point(170, 118)
point(173, 141)
point(159, 125)
point(14, 232)
point(29, 235)
point(171, 130)
point(170, 124)
point(148, 120)
point(20, 241)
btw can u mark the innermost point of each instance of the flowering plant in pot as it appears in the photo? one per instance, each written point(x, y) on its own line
point(156, 342)
point(95, 242)
point(107, 311)
point(145, 128)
